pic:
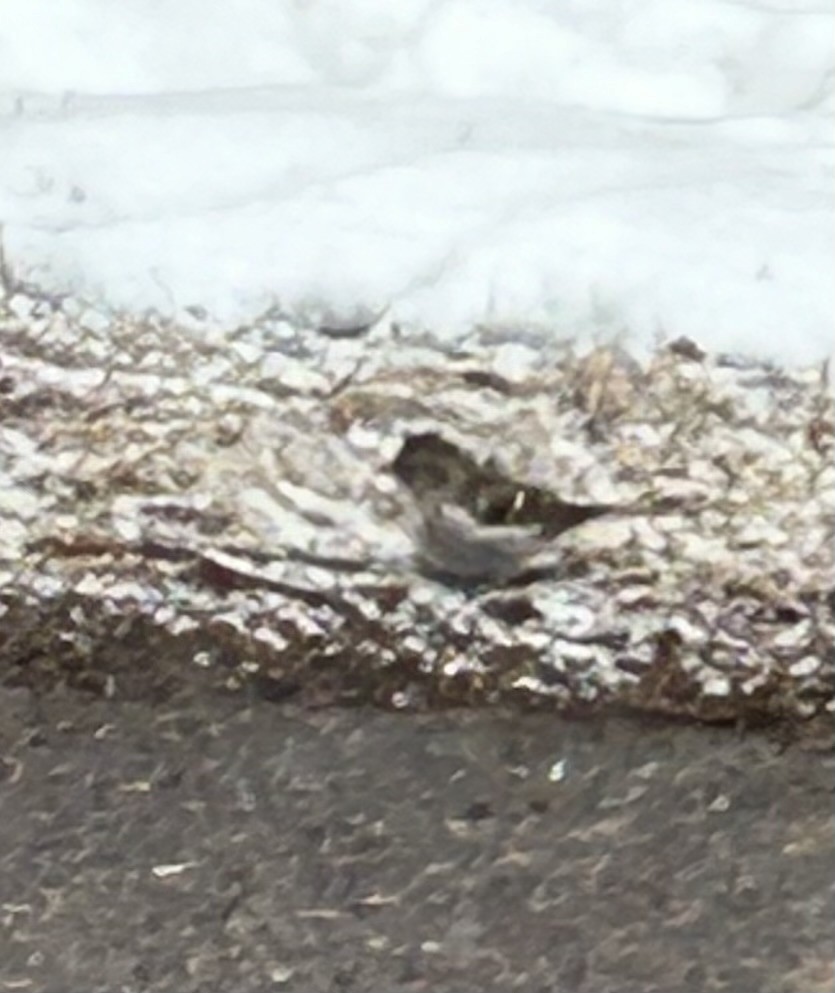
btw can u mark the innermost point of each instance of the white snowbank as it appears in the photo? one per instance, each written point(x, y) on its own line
point(643, 167)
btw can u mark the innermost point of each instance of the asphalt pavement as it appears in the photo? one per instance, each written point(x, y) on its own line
point(177, 837)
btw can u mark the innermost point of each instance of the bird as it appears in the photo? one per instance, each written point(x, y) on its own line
point(475, 524)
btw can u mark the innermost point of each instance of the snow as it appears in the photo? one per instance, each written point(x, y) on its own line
point(606, 169)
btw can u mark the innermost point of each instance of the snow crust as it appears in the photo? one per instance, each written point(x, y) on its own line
point(593, 168)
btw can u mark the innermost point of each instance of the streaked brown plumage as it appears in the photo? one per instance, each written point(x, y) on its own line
point(476, 522)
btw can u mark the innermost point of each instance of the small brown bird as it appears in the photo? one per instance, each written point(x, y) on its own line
point(477, 525)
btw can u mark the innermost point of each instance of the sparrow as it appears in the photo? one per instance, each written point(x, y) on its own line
point(476, 525)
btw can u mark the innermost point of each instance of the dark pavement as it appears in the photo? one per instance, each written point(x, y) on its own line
point(198, 839)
